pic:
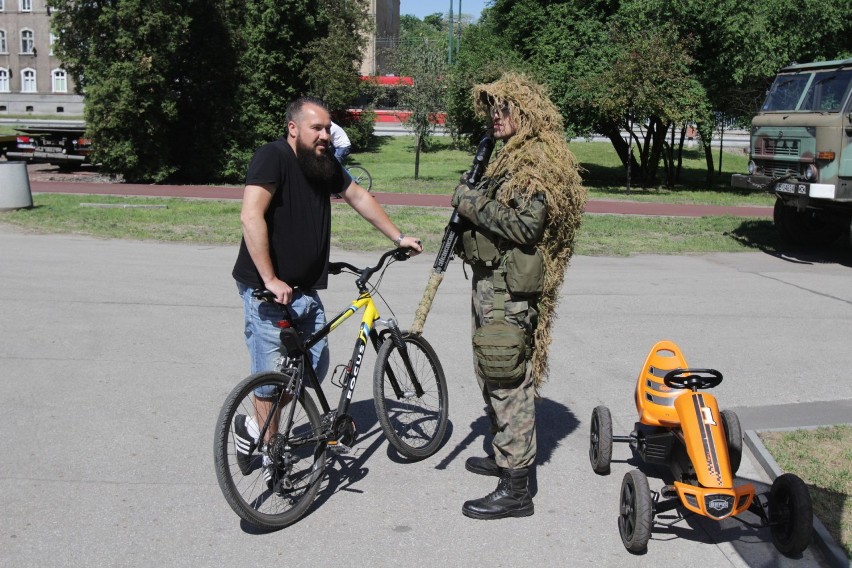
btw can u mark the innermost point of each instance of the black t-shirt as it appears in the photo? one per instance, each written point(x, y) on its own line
point(298, 220)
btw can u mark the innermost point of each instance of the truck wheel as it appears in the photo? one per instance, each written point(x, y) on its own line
point(734, 438)
point(790, 514)
point(600, 440)
point(809, 227)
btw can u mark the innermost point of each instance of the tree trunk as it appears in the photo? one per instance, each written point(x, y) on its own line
point(417, 139)
point(680, 153)
point(622, 149)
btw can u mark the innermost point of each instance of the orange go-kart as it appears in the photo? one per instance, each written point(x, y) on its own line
point(682, 429)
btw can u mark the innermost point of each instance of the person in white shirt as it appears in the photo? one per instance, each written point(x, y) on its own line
point(340, 142)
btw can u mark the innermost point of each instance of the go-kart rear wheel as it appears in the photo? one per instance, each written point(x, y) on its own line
point(734, 438)
point(636, 512)
point(790, 514)
point(600, 440)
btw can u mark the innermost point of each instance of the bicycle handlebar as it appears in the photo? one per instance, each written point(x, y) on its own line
point(400, 253)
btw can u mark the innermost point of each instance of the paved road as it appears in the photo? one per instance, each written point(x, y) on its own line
point(216, 192)
point(115, 357)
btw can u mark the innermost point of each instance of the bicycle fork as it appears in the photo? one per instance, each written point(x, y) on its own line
point(399, 342)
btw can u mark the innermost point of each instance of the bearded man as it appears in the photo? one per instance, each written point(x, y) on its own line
point(286, 222)
point(522, 217)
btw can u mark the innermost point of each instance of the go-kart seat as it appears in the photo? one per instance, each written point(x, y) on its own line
point(654, 400)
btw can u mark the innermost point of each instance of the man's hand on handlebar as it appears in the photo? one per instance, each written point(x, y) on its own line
point(412, 243)
point(283, 292)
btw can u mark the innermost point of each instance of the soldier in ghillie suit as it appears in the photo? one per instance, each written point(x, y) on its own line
point(522, 218)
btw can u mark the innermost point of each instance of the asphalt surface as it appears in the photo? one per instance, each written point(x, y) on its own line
point(115, 357)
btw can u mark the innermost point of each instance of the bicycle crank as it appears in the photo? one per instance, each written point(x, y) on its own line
point(345, 434)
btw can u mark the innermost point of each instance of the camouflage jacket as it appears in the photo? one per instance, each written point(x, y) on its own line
point(496, 227)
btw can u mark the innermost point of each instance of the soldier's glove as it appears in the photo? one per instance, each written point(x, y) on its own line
point(460, 189)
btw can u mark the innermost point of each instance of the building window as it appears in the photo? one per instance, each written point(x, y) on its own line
point(2, 5)
point(26, 5)
point(27, 41)
point(60, 81)
point(4, 80)
point(53, 38)
point(28, 81)
point(60, 109)
point(3, 47)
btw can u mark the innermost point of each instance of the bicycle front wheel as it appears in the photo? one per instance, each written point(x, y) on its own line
point(413, 423)
point(361, 176)
point(272, 484)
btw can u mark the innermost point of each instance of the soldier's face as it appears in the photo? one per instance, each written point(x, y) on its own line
point(502, 123)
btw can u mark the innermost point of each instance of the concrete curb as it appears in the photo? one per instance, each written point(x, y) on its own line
point(835, 555)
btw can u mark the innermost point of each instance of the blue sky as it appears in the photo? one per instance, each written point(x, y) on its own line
point(422, 8)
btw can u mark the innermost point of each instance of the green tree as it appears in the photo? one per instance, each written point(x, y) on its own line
point(735, 49)
point(187, 90)
point(426, 64)
point(485, 56)
point(334, 57)
point(123, 54)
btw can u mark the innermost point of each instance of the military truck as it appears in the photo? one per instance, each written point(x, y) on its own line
point(801, 150)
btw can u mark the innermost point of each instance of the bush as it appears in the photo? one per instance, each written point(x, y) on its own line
point(359, 128)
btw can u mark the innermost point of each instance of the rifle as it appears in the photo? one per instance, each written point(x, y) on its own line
point(451, 236)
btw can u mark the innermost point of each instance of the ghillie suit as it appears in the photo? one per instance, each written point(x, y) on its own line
point(536, 159)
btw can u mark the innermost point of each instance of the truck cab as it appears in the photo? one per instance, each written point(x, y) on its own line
point(801, 150)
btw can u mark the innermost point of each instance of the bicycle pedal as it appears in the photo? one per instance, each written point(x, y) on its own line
point(668, 492)
point(336, 447)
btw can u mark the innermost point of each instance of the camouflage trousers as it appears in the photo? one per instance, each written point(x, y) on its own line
point(510, 406)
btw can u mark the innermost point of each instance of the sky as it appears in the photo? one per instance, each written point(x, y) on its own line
point(422, 8)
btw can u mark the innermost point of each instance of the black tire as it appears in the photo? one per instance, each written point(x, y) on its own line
point(600, 440)
point(791, 515)
point(734, 438)
point(248, 495)
point(808, 228)
point(361, 176)
point(414, 426)
point(636, 512)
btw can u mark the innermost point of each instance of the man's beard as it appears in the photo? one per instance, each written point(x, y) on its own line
point(320, 170)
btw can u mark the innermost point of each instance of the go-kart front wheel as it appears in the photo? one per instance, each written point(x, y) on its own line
point(734, 438)
point(600, 440)
point(636, 511)
point(790, 514)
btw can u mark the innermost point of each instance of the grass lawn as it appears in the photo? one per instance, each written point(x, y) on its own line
point(392, 168)
point(823, 459)
point(217, 222)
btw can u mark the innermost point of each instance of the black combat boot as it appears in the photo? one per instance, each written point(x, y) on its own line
point(511, 498)
point(483, 466)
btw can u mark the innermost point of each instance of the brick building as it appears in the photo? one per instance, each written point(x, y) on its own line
point(32, 80)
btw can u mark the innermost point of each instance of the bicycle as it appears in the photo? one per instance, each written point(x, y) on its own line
point(361, 176)
point(409, 391)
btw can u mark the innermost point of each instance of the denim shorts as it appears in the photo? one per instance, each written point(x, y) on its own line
point(263, 335)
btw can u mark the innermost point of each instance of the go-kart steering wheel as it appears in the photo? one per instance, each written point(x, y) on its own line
point(692, 379)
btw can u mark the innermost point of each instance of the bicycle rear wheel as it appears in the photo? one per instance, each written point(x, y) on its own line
point(284, 474)
point(361, 176)
point(414, 425)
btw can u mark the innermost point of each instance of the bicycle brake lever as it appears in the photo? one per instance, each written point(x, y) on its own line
point(264, 295)
point(402, 253)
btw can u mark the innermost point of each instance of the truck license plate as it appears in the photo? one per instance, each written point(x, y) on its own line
point(786, 187)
